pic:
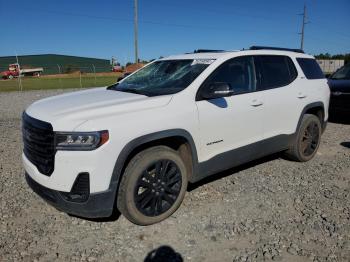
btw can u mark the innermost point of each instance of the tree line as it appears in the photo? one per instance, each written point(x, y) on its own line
point(345, 57)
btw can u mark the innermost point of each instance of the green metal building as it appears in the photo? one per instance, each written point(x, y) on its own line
point(55, 64)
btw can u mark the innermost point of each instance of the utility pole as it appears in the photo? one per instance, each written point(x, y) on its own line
point(136, 32)
point(20, 87)
point(303, 28)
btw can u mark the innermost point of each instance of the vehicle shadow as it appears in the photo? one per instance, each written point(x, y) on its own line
point(192, 186)
point(339, 118)
point(345, 144)
point(163, 254)
point(232, 171)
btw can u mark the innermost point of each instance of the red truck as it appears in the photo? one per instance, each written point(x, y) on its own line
point(14, 70)
point(117, 68)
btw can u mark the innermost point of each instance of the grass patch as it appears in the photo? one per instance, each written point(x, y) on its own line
point(57, 82)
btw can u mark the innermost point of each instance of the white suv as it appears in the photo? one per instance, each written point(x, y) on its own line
point(134, 146)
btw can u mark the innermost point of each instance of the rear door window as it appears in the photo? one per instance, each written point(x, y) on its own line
point(310, 68)
point(275, 71)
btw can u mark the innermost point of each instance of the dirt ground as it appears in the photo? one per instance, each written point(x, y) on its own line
point(271, 209)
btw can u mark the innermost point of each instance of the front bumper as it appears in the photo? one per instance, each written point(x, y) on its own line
point(97, 205)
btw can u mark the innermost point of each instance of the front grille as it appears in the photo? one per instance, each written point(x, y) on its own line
point(38, 141)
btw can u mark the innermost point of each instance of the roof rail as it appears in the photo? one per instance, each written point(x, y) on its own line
point(276, 48)
point(208, 51)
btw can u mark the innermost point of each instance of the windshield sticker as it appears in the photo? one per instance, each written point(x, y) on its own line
point(202, 61)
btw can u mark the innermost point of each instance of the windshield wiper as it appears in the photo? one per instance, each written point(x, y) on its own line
point(128, 90)
point(131, 90)
point(112, 87)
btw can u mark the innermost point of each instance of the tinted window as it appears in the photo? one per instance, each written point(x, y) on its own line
point(342, 73)
point(238, 72)
point(310, 68)
point(276, 71)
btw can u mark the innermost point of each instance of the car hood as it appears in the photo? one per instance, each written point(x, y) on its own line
point(339, 85)
point(69, 110)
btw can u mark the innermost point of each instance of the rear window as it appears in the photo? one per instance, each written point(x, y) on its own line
point(276, 71)
point(310, 68)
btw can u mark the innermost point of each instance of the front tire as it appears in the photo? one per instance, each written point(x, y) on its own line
point(307, 140)
point(153, 186)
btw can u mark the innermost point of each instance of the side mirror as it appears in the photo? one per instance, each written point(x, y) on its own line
point(120, 78)
point(123, 76)
point(217, 90)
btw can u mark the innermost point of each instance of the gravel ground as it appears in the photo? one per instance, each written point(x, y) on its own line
point(271, 209)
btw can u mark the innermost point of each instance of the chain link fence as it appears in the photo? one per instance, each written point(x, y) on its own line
point(58, 77)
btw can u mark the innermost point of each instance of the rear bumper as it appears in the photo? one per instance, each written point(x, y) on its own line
point(97, 205)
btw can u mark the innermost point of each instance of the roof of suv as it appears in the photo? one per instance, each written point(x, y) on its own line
point(220, 54)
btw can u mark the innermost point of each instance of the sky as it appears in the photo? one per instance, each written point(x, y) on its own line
point(103, 29)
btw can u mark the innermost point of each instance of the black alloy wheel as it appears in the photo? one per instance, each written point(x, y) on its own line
point(158, 187)
point(153, 185)
point(307, 139)
point(310, 139)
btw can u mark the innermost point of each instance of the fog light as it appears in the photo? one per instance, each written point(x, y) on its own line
point(80, 191)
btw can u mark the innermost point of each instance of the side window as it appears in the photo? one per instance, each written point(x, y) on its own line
point(310, 68)
point(276, 71)
point(238, 72)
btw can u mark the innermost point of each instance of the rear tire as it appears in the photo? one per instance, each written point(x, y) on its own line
point(153, 186)
point(307, 139)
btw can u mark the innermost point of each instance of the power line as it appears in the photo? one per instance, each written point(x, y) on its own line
point(232, 13)
point(76, 14)
point(221, 28)
point(329, 30)
point(139, 21)
point(166, 24)
point(278, 16)
point(170, 24)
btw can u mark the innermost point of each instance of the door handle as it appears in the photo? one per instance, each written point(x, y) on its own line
point(256, 103)
point(301, 95)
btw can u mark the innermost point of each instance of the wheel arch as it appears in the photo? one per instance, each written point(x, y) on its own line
point(178, 139)
point(315, 108)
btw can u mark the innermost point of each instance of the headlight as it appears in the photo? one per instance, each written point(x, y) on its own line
point(80, 140)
